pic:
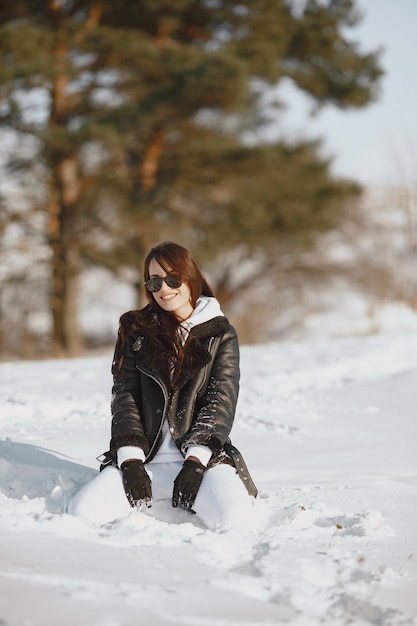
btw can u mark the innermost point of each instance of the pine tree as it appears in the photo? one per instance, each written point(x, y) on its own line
point(146, 105)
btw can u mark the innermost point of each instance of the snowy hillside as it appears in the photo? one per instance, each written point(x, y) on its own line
point(329, 431)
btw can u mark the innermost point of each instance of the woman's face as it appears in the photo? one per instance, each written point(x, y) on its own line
point(173, 300)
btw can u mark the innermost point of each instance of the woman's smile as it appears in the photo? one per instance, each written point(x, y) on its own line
point(176, 301)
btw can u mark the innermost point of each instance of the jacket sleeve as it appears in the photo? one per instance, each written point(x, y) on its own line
point(126, 428)
point(215, 410)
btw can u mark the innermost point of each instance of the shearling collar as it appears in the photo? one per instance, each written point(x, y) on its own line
point(138, 321)
point(151, 359)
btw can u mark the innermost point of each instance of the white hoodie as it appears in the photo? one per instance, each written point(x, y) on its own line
point(206, 309)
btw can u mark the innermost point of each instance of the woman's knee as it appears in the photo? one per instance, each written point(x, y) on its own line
point(103, 499)
point(223, 501)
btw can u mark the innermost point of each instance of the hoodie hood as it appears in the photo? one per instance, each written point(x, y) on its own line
point(207, 308)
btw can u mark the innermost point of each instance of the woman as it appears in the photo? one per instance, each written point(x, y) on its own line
point(176, 381)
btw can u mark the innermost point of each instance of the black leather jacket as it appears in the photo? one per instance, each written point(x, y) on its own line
point(200, 407)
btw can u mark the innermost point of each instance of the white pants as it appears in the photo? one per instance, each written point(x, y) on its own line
point(222, 501)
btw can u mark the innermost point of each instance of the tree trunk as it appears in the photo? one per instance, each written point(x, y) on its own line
point(66, 336)
point(64, 197)
point(150, 162)
point(143, 247)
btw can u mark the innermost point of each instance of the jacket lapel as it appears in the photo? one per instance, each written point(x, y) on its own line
point(196, 356)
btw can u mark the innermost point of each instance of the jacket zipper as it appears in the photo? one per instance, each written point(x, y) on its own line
point(166, 398)
point(166, 395)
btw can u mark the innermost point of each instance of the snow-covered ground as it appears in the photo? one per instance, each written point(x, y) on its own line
point(329, 431)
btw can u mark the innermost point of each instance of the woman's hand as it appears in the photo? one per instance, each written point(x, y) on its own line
point(187, 483)
point(137, 483)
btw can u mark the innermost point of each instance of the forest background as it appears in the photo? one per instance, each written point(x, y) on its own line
point(127, 123)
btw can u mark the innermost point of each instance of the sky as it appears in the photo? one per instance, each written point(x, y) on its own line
point(376, 145)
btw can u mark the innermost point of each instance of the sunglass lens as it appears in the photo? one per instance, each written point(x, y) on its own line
point(173, 281)
point(154, 284)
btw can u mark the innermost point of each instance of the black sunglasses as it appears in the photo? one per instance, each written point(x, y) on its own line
point(154, 284)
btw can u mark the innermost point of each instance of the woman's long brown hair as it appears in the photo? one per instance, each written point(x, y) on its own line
point(175, 259)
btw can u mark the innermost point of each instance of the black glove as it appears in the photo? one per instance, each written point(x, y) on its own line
point(136, 482)
point(187, 484)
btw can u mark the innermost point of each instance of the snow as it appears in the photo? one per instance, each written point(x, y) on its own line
point(328, 429)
